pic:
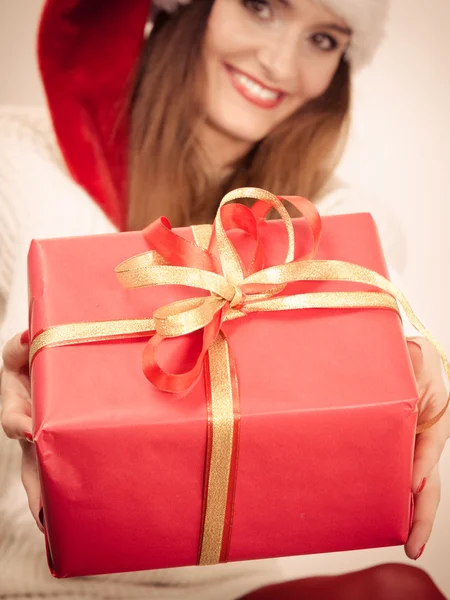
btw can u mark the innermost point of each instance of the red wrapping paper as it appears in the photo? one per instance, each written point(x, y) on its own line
point(328, 406)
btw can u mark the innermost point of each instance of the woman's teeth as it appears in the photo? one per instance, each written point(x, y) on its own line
point(254, 88)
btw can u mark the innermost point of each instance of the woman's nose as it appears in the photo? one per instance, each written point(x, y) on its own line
point(279, 57)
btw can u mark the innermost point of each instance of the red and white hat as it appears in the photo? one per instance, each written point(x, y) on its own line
point(88, 52)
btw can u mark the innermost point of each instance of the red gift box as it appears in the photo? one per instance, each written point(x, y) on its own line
point(326, 421)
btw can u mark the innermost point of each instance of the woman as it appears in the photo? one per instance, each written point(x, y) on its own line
point(223, 93)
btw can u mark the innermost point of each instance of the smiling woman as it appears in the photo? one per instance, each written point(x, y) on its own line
point(265, 94)
point(220, 94)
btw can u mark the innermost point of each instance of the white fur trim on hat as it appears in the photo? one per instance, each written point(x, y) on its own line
point(366, 18)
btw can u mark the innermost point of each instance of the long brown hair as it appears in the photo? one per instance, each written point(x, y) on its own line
point(167, 170)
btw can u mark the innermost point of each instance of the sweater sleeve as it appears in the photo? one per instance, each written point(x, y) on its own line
point(340, 198)
point(38, 199)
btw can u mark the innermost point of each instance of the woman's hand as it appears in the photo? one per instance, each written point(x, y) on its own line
point(426, 484)
point(16, 414)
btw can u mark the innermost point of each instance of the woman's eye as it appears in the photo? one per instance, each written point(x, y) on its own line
point(324, 41)
point(260, 8)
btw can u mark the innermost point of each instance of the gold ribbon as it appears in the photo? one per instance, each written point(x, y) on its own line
point(232, 292)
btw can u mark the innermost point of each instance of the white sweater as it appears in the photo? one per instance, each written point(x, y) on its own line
point(38, 199)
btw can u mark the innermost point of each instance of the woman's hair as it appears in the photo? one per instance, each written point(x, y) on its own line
point(168, 172)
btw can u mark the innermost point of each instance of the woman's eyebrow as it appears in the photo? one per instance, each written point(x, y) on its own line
point(340, 28)
point(334, 26)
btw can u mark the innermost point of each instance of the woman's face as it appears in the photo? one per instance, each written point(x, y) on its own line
point(265, 59)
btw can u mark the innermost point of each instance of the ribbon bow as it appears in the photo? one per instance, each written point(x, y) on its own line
point(234, 289)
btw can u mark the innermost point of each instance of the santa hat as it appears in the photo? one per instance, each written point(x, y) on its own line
point(88, 54)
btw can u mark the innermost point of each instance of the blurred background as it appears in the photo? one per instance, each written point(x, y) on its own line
point(399, 154)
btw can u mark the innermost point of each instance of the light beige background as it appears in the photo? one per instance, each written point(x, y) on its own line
point(399, 152)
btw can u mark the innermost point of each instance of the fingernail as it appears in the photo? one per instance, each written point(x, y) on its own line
point(28, 436)
point(421, 485)
point(411, 517)
point(416, 344)
point(25, 338)
point(419, 554)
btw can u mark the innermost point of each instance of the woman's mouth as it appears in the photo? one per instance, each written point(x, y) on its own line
point(253, 90)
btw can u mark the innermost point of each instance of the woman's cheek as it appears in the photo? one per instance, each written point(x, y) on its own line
point(318, 80)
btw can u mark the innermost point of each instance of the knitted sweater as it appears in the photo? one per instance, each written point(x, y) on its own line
point(38, 199)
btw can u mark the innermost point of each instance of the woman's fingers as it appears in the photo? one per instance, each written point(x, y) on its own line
point(30, 479)
point(16, 405)
point(15, 353)
point(16, 425)
point(15, 390)
point(16, 415)
point(425, 507)
point(429, 447)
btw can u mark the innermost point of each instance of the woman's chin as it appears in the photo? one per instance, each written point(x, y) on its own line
point(241, 130)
